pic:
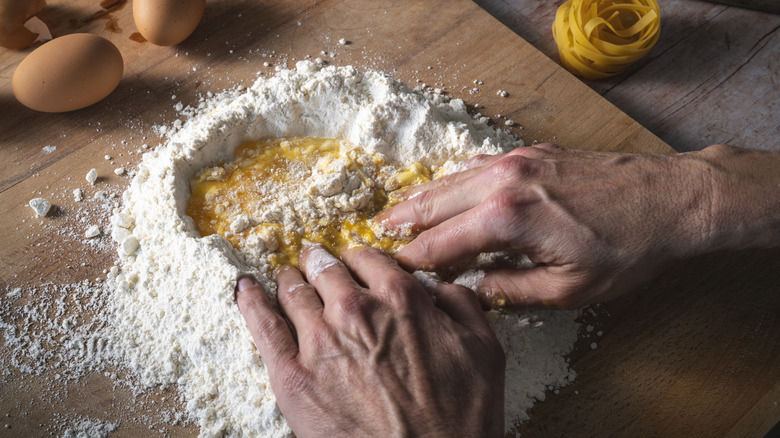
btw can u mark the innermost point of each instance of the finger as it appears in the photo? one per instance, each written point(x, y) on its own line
point(438, 183)
point(299, 301)
point(493, 225)
point(467, 169)
point(462, 305)
point(438, 201)
point(269, 330)
point(410, 209)
point(329, 276)
point(381, 274)
point(541, 286)
point(512, 172)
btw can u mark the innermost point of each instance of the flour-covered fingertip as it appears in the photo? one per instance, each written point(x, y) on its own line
point(315, 259)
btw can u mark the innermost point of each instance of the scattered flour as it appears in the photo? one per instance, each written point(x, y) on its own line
point(173, 315)
point(92, 176)
point(92, 231)
point(41, 206)
point(89, 428)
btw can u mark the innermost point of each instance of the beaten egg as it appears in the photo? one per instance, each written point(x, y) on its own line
point(167, 22)
point(68, 73)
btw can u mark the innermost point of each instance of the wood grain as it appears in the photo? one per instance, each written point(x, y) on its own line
point(712, 77)
point(759, 5)
point(696, 351)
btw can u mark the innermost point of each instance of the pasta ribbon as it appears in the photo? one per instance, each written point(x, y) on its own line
point(601, 38)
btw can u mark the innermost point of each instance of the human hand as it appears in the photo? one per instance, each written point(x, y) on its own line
point(374, 356)
point(596, 224)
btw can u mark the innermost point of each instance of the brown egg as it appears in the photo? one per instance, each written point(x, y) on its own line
point(68, 73)
point(167, 22)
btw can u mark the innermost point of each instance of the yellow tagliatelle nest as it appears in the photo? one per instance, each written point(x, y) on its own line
point(597, 38)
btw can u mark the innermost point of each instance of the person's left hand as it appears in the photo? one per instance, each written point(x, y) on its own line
point(374, 355)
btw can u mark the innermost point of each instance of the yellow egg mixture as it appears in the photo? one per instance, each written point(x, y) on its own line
point(276, 194)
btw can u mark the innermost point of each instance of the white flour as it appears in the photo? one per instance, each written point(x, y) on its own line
point(89, 428)
point(172, 311)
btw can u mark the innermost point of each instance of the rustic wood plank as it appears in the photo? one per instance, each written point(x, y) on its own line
point(712, 77)
point(686, 369)
point(759, 5)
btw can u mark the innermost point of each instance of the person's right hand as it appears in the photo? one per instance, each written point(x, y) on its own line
point(597, 224)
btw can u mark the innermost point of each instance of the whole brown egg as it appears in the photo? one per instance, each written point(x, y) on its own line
point(167, 22)
point(68, 73)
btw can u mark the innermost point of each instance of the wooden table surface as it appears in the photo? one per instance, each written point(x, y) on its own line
point(713, 77)
point(694, 353)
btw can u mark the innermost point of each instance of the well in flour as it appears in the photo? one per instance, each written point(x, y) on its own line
point(277, 194)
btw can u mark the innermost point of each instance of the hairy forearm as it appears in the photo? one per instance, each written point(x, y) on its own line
point(744, 208)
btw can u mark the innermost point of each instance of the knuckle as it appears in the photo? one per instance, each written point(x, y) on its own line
point(423, 207)
point(354, 305)
point(399, 291)
point(527, 152)
point(296, 293)
point(504, 204)
point(537, 151)
point(515, 168)
point(477, 160)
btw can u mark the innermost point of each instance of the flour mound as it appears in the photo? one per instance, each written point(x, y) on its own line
point(172, 308)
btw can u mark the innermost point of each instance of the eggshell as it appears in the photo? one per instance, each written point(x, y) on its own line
point(68, 73)
point(13, 15)
point(167, 22)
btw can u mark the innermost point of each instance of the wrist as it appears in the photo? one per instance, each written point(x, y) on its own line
point(743, 209)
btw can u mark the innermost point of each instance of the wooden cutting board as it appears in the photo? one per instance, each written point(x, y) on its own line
point(694, 353)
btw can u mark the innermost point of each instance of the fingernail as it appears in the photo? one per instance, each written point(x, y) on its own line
point(243, 283)
point(429, 281)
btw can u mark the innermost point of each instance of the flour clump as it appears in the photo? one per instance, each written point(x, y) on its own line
point(41, 206)
point(172, 309)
